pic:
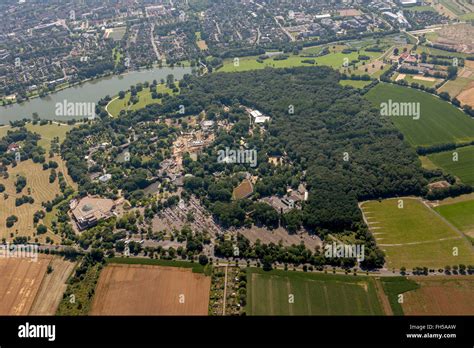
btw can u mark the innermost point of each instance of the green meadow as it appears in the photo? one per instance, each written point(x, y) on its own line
point(463, 168)
point(144, 99)
point(272, 293)
point(439, 122)
point(460, 214)
point(414, 235)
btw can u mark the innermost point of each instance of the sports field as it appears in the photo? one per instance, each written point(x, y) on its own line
point(440, 295)
point(463, 168)
point(415, 235)
point(460, 214)
point(439, 122)
point(271, 293)
point(151, 290)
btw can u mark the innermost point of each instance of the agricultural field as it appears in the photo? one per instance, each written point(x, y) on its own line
point(461, 8)
point(162, 291)
point(52, 287)
point(460, 214)
point(463, 86)
point(144, 99)
point(415, 235)
point(454, 87)
point(269, 293)
point(393, 287)
point(463, 168)
point(439, 122)
point(20, 280)
point(440, 295)
point(39, 188)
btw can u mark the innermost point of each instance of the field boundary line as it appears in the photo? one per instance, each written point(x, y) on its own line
point(462, 235)
point(41, 284)
point(225, 291)
point(422, 242)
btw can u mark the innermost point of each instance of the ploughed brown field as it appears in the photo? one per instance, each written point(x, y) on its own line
point(27, 289)
point(20, 280)
point(151, 290)
point(450, 295)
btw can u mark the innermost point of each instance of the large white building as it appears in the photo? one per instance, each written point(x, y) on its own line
point(258, 118)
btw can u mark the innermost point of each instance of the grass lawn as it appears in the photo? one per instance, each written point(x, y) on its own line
point(439, 122)
point(467, 16)
point(411, 79)
point(4, 130)
point(48, 132)
point(454, 87)
point(463, 168)
point(414, 236)
point(421, 9)
point(39, 188)
point(426, 163)
point(269, 293)
point(354, 83)
point(437, 52)
point(460, 214)
point(144, 99)
point(335, 59)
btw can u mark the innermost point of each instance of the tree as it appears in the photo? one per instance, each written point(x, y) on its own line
point(452, 72)
point(41, 229)
point(203, 260)
point(11, 220)
point(267, 263)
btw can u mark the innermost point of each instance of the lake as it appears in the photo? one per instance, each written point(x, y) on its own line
point(88, 92)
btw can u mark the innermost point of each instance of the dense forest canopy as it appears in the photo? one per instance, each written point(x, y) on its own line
point(330, 123)
point(331, 135)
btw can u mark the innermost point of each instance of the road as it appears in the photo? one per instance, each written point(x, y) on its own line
point(153, 43)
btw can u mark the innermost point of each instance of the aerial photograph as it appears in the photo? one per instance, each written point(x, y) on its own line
point(193, 166)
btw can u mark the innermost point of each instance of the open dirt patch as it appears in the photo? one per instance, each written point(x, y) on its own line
point(400, 77)
point(467, 96)
point(424, 78)
point(349, 12)
point(151, 290)
point(449, 295)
